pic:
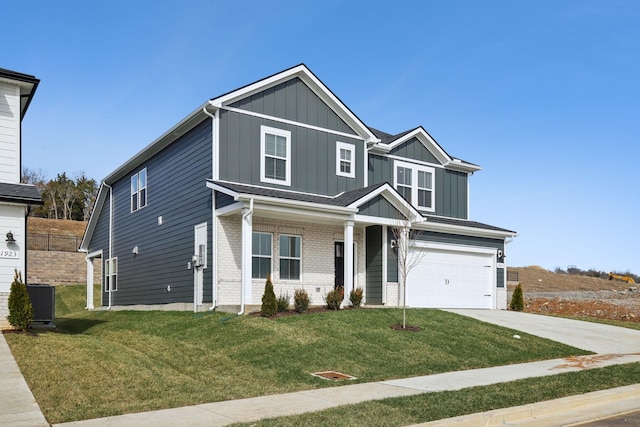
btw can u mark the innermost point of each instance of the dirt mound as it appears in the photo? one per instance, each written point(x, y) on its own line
point(546, 292)
point(537, 279)
point(56, 226)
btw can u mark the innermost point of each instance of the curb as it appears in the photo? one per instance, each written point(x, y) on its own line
point(533, 411)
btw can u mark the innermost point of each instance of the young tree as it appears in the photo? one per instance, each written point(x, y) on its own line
point(408, 258)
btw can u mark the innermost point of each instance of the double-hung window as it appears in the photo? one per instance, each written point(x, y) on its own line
point(139, 190)
point(290, 257)
point(111, 274)
point(345, 160)
point(261, 255)
point(275, 155)
point(415, 183)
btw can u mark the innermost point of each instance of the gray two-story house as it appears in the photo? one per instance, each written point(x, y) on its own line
point(279, 178)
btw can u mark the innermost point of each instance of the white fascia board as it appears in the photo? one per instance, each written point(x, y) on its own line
point(464, 231)
point(376, 220)
point(319, 88)
point(230, 209)
point(303, 214)
point(452, 247)
point(158, 144)
point(392, 197)
point(225, 190)
point(274, 201)
point(426, 140)
point(93, 219)
point(431, 145)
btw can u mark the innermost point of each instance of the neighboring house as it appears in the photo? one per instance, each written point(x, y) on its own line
point(281, 178)
point(16, 92)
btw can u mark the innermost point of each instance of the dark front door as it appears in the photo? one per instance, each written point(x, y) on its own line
point(339, 265)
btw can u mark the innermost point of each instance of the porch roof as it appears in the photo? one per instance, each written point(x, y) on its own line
point(343, 199)
point(20, 193)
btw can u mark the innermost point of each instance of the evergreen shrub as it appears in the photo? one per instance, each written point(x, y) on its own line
point(20, 308)
point(517, 299)
point(269, 303)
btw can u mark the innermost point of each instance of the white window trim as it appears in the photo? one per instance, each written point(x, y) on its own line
point(351, 148)
point(414, 183)
point(139, 190)
point(109, 272)
point(270, 257)
point(279, 132)
point(280, 257)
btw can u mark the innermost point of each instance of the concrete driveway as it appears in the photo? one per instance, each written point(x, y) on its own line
point(596, 337)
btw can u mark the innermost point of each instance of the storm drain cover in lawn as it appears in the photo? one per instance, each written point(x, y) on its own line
point(333, 376)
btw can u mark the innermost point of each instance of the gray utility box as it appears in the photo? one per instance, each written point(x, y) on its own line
point(43, 300)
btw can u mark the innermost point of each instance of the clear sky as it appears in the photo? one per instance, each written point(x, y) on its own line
point(544, 95)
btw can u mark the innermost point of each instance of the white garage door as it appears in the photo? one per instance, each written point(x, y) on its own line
point(452, 278)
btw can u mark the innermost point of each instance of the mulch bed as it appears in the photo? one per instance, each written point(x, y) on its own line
point(288, 313)
point(409, 328)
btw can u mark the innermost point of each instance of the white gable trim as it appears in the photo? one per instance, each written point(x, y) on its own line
point(392, 196)
point(319, 88)
point(430, 144)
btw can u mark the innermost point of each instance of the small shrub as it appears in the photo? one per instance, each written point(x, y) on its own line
point(20, 308)
point(517, 299)
point(355, 296)
point(334, 298)
point(282, 304)
point(301, 300)
point(269, 303)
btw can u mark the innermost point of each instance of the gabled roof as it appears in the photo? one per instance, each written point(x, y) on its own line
point(28, 85)
point(388, 142)
point(20, 193)
point(314, 83)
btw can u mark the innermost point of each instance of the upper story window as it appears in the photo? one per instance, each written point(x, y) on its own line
point(275, 155)
point(345, 159)
point(139, 190)
point(415, 184)
point(261, 255)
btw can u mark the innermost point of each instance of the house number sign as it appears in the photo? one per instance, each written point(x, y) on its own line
point(6, 253)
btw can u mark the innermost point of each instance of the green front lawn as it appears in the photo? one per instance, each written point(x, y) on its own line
point(106, 363)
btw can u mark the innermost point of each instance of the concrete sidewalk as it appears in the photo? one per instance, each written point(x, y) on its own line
point(18, 407)
point(614, 345)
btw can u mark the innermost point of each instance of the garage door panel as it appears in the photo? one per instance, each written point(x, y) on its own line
point(448, 279)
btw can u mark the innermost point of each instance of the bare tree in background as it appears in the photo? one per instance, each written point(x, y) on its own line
point(404, 238)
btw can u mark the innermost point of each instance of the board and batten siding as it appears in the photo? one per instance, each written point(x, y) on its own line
point(313, 155)
point(293, 100)
point(382, 208)
point(9, 133)
point(177, 192)
point(373, 266)
point(450, 186)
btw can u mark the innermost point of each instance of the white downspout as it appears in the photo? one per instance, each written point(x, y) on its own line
point(110, 234)
point(244, 279)
point(214, 216)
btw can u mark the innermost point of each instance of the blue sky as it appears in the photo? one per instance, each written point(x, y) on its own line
point(544, 95)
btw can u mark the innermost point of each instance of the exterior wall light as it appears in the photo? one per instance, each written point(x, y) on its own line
point(10, 238)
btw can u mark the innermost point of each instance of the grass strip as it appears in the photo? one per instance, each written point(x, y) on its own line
point(435, 406)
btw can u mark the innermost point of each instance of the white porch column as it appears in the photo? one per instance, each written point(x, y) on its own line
point(247, 230)
point(89, 283)
point(348, 261)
